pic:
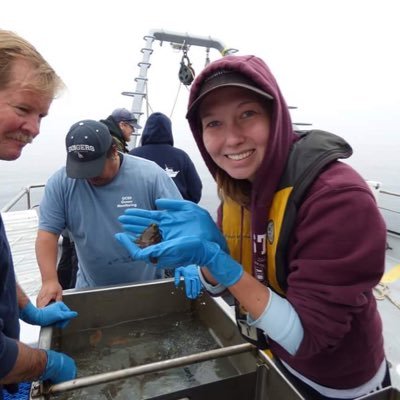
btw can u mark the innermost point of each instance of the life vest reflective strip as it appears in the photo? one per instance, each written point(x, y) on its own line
point(274, 230)
point(236, 224)
point(309, 155)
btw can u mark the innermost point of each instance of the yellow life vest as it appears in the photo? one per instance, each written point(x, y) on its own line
point(309, 155)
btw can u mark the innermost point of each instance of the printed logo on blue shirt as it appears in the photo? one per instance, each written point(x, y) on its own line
point(127, 202)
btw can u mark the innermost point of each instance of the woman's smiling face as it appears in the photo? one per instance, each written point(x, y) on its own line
point(235, 125)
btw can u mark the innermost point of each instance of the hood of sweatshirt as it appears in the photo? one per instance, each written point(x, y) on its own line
point(158, 130)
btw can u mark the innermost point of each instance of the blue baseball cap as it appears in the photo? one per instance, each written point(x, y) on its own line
point(123, 115)
point(87, 144)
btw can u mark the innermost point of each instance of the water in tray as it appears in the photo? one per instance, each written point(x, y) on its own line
point(139, 342)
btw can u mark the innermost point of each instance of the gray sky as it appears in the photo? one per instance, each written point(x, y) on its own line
point(336, 60)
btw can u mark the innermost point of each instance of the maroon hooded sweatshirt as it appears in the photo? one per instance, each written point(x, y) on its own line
point(336, 253)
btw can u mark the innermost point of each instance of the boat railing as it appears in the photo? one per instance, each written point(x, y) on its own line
point(29, 197)
point(390, 193)
point(389, 205)
point(393, 213)
point(24, 197)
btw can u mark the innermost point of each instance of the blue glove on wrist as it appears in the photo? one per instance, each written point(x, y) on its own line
point(175, 218)
point(187, 250)
point(56, 313)
point(191, 277)
point(59, 367)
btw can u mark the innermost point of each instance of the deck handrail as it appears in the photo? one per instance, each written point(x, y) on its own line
point(25, 192)
point(390, 193)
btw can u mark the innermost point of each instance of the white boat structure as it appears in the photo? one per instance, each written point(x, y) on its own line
point(109, 337)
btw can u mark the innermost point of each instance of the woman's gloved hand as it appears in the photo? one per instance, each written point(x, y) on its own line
point(191, 278)
point(175, 218)
point(56, 313)
point(187, 250)
point(59, 367)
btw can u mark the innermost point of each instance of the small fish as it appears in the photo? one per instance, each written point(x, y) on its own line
point(151, 235)
point(95, 338)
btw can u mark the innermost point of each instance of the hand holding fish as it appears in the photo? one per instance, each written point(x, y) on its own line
point(187, 250)
point(175, 218)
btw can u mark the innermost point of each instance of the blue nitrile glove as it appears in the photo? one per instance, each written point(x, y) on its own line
point(175, 218)
point(56, 313)
point(190, 275)
point(187, 250)
point(59, 367)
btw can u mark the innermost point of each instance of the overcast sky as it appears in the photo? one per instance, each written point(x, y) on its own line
point(336, 60)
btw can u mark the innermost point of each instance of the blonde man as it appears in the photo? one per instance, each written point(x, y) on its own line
point(28, 85)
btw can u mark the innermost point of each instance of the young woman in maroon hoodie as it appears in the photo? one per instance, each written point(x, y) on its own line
point(302, 243)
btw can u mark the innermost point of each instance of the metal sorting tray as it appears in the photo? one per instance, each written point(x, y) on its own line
point(148, 341)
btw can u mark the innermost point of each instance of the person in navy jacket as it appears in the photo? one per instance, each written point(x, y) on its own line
point(158, 145)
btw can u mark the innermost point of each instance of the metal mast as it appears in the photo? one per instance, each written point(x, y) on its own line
point(176, 39)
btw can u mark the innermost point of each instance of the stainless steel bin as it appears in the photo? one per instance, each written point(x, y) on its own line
point(148, 341)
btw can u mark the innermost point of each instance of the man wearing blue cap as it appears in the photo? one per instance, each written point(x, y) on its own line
point(122, 125)
point(86, 196)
